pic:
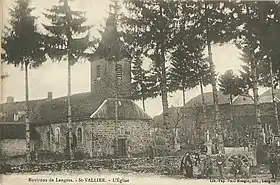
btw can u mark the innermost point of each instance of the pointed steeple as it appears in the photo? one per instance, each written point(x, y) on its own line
point(110, 47)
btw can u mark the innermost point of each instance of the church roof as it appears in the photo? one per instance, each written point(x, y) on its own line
point(127, 110)
point(83, 106)
point(110, 44)
point(55, 110)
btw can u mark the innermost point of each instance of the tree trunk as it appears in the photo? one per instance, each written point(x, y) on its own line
point(276, 126)
point(184, 97)
point(164, 98)
point(69, 108)
point(143, 104)
point(27, 123)
point(203, 104)
point(69, 112)
point(116, 121)
point(256, 97)
point(231, 107)
point(214, 89)
point(258, 126)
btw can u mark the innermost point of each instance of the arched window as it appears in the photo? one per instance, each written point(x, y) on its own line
point(48, 138)
point(57, 136)
point(79, 135)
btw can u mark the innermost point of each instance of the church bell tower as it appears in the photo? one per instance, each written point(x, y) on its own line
point(111, 64)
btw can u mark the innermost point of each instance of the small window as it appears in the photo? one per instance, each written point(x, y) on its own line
point(119, 71)
point(57, 136)
point(79, 135)
point(16, 117)
point(98, 71)
point(122, 131)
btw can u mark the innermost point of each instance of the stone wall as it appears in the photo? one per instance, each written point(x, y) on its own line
point(14, 147)
point(169, 165)
point(97, 136)
point(106, 83)
point(136, 133)
point(59, 145)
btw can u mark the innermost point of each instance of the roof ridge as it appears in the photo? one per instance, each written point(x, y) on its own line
point(235, 98)
point(96, 111)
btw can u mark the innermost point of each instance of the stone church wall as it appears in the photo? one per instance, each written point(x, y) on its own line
point(14, 147)
point(98, 136)
point(136, 133)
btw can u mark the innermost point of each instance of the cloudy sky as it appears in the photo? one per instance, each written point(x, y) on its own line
point(52, 77)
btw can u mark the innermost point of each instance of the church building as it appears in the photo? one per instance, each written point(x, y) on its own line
point(98, 117)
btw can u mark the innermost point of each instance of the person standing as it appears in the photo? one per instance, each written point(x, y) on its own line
point(187, 166)
point(220, 163)
point(273, 165)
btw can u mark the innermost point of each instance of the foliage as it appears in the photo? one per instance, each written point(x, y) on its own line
point(231, 84)
point(144, 84)
point(152, 25)
point(66, 33)
point(22, 42)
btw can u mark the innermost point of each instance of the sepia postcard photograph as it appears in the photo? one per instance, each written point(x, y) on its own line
point(139, 92)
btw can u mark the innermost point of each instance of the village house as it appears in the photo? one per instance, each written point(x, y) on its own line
point(95, 122)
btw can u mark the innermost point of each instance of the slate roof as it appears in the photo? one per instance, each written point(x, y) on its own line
point(48, 111)
point(55, 110)
point(127, 110)
point(15, 130)
point(223, 99)
point(9, 109)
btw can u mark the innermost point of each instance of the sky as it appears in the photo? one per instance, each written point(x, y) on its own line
point(52, 77)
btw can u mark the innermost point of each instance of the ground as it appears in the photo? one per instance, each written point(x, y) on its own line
point(111, 177)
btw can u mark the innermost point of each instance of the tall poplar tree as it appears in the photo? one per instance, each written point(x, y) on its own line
point(68, 38)
point(24, 48)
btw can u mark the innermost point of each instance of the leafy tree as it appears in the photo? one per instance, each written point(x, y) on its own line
point(153, 26)
point(230, 84)
point(187, 67)
point(144, 85)
point(24, 48)
point(66, 40)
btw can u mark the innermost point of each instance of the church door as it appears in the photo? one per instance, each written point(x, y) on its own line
point(122, 147)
